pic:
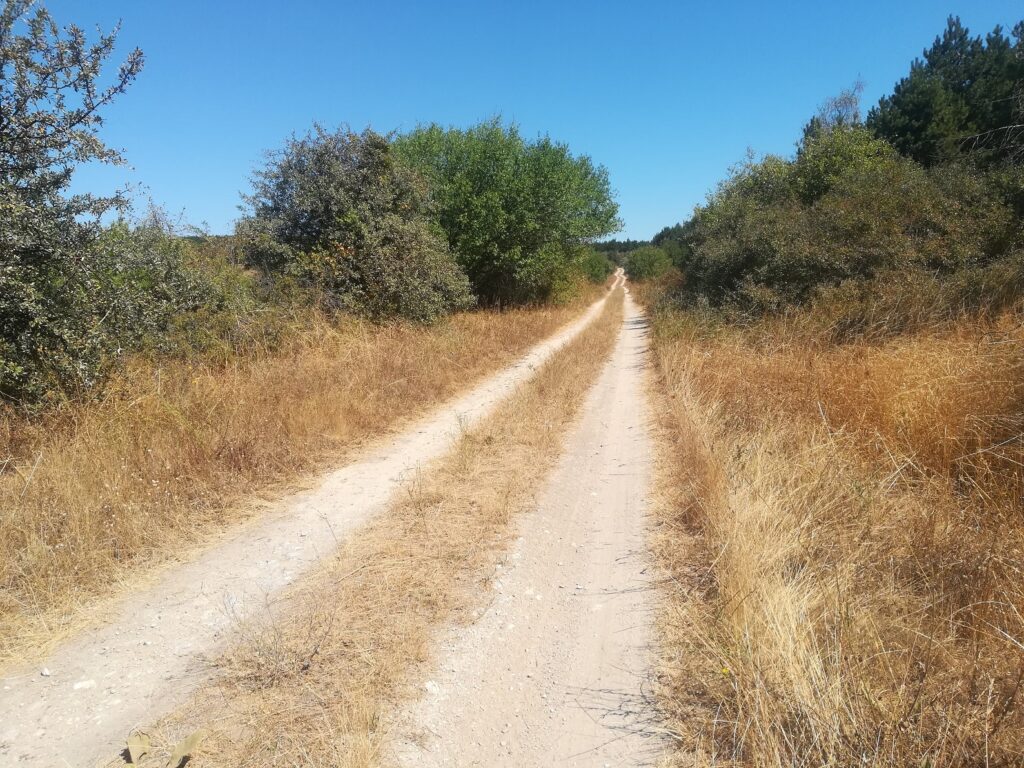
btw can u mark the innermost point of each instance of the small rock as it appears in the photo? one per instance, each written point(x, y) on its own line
point(44, 672)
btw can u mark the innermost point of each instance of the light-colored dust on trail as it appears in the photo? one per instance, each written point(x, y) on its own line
point(99, 686)
point(556, 671)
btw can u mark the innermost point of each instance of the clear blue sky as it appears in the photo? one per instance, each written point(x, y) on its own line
point(666, 94)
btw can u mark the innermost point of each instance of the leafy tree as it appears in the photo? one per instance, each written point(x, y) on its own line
point(515, 212)
point(617, 250)
point(675, 241)
point(764, 240)
point(596, 267)
point(54, 317)
point(647, 263)
point(825, 156)
point(337, 212)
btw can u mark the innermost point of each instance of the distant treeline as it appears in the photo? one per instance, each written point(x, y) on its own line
point(927, 191)
point(616, 250)
point(415, 225)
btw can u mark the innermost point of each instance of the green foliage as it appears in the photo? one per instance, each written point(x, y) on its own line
point(619, 246)
point(596, 267)
point(965, 96)
point(61, 313)
point(77, 297)
point(906, 300)
point(515, 212)
point(675, 241)
point(146, 279)
point(338, 213)
point(828, 155)
point(617, 250)
point(647, 263)
point(847, 207)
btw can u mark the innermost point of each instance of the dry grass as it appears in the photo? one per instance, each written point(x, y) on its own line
point(92, 492)
point(312, 682)
point(843, 527)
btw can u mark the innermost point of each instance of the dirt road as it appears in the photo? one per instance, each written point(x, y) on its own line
point(77, 707)
point(555, 672)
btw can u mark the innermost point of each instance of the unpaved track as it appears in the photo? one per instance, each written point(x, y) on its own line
point(556, 671)
point(128, 673)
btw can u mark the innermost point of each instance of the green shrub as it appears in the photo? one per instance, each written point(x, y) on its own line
point(827, 156)
point(908, 300)
point(65, 306)
point(647, 263)
point(338, 213)
point(596, 267)
point(845, 208)
point(133, 287)
point(515, 212)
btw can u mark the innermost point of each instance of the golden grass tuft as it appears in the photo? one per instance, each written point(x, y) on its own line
point(843, 527)
point(93, 492)
point(313, 682)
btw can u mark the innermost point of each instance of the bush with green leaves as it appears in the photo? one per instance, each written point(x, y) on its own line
point(55, 312)
point(828, 155)
point(78, 296)
point(595, 266)
point(846, 207)
point(515, 212)
point(335, 211)
point(647, 263)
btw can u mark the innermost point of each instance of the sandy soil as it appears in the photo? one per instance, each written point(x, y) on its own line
point(555, 671)
point(78, 706)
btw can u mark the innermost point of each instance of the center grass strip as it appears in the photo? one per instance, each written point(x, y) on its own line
point(312, 682)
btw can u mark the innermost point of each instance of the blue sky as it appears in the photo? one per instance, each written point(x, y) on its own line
point(667, 95)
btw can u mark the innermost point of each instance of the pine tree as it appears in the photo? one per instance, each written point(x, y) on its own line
point(963, 96)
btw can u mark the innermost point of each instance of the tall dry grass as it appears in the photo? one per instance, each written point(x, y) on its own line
point(844, 525)
point(313, 681)
point(92, 492)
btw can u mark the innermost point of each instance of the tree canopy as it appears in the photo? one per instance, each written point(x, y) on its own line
point(932, 181)
point(647, 263)
point(516, 213)
point(846, 207)
point(965, 96)
point(336, 211)
point(52, 321)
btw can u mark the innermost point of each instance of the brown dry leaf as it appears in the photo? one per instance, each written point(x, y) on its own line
point(138, 745)
point(186, 747)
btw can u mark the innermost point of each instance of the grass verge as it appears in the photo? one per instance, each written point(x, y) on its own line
point(93, 492)
point(311, 682)
point(842, 527)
